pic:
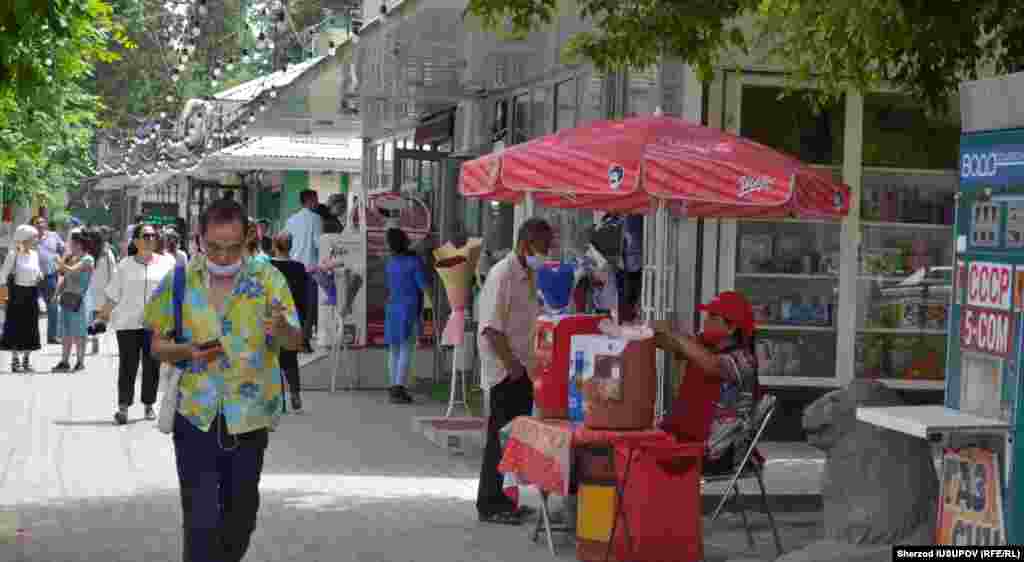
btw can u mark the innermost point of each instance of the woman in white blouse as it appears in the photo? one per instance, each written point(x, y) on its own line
point(21, 274)
point(127, 293)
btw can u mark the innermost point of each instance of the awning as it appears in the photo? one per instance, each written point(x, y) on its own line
point(252, 89)
point(288, 153)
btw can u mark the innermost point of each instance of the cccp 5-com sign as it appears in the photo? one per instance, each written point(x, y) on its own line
point(986, 322)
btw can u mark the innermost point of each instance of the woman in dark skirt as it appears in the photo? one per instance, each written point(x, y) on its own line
point(21, 274)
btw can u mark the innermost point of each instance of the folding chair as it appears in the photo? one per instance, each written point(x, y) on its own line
point(747, 469)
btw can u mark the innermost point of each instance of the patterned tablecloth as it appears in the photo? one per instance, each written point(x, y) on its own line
point(540, 451)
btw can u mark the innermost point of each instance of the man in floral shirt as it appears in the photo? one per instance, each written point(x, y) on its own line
point(230, 394)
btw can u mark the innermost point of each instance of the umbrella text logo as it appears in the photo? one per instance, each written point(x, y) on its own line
point(750, 185)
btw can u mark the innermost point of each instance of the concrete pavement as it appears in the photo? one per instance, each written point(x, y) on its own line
point(347, 481)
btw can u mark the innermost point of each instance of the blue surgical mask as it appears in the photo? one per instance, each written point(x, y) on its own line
point(534, 262)
point(224, 270)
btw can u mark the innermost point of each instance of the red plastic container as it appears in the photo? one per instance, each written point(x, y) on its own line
point(551, 352)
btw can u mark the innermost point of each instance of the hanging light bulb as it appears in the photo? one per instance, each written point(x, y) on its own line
point(190, 47)
point(184, 58)
point(252, 118)
point(261, 40)
point(202, 8)
point(196, 30)
point(181, 68)
point(273, 94)
point(163, 115)
point(170, 99)
point(263, 107)
point(217, 71)
point(174, 77)
point(230, 66)
point(214, 82)
point(332, 49)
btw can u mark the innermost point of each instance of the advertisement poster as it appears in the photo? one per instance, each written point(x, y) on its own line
point(348, 252)
point(970, 503)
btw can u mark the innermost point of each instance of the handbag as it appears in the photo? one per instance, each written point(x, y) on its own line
point(169, 401)
point(71, 301)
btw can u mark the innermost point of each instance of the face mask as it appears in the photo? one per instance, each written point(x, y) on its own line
point(224, 270)
point(534, 262)
point(712, 337)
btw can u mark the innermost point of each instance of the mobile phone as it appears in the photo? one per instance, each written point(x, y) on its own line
point(212, 344)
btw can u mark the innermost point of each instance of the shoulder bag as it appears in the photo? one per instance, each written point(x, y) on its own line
point(169, 401)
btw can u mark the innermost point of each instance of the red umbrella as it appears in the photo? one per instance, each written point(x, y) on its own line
point(624, 166)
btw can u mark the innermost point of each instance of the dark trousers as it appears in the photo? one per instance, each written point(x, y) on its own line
point(312, 306)
point(289, 361)
point(219, 475)
point(508, 400)
point(129, 348)
point(49, 286)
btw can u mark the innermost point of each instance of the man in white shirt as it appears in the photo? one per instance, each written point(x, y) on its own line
point(507, 313)
point(306, 227)
point(51, 246)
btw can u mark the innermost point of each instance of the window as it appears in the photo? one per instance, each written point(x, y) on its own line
point(789, 124)
point(520, 119)
point(643, 89)
point(541, 111)
point(565, 105)
point(907, 204)
point(593, 98)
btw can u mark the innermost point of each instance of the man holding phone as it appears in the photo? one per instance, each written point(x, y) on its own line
point(230, 395)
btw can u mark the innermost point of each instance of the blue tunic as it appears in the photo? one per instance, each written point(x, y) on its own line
point(406, 283)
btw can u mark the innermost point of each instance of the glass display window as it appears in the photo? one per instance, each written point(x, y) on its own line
point(565, 104)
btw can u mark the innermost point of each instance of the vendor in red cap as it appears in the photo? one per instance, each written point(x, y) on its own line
point(717, 395)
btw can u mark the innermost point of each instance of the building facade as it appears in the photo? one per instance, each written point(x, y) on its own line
point(836, 300)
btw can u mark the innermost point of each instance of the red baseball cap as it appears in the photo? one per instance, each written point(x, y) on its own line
point(734, 307)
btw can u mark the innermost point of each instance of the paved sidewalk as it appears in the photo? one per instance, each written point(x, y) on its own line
point(347, 481)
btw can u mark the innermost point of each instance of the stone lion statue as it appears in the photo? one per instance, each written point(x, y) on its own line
point(880, 486)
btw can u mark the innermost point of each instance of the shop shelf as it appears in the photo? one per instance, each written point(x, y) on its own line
point(903, 384)
point(907, 225)
point(794, 328)
point(902, 331)
point(808, 382)
point(807, 276)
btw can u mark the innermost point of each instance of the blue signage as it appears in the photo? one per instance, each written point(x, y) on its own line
point(992, 159)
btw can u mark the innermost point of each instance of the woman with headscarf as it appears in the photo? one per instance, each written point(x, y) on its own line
point(406, 284)
point(21, 274)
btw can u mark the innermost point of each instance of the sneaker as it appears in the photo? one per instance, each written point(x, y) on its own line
point(62, 367)
point(400, 396)
point(80, 366)
point(26, 366)
point(15, 365)
point(121, 417)
point(52, 341)
point(296, 404)
point(150, 413)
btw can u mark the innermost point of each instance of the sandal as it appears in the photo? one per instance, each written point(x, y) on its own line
point(503, 518)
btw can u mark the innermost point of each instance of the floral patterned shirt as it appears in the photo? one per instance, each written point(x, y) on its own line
point(244, 383)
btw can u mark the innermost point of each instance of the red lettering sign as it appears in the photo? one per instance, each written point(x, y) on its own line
point(986, 330)
point(988, 285)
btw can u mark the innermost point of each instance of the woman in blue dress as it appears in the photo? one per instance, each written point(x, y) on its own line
point(77, 270)
point(406, 283)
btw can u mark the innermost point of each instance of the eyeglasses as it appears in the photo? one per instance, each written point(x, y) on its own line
point(214, 249)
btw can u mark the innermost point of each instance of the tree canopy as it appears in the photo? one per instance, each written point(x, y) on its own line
point(47, 112)
point(924, 48)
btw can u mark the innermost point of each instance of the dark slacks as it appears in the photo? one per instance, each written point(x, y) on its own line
point(219, 475)
point(508, 400)
point(129, 348)
point(289, 361)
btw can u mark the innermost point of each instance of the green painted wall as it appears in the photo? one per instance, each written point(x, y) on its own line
point(295, 181)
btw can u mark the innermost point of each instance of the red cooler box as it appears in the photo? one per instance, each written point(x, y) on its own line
point(551, 352)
